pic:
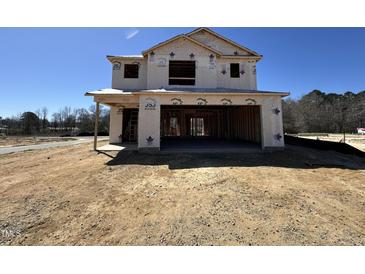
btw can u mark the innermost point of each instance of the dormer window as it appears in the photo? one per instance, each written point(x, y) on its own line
point(182, 73)
point(235, 70)
point(131, 70)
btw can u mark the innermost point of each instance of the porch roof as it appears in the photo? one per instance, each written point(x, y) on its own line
point(184, 91)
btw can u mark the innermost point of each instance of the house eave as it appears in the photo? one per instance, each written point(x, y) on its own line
point(180, 92)
point(113, 58)
point(242, 57)
point(212, 93)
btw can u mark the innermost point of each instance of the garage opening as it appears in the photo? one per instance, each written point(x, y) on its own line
point(210, 125)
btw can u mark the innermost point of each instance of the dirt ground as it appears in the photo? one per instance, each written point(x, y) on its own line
point(11, 141)
point(355, 140)
point(74, 196)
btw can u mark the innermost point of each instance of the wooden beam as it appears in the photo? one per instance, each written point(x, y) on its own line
point(96, 125)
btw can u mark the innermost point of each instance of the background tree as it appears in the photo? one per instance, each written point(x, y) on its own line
point(30, 123)
point(44, 117)
point(328, 113)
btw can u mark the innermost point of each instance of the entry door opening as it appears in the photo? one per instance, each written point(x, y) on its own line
point(130, 125)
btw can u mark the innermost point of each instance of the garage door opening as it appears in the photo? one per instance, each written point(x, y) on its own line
point(209, 126)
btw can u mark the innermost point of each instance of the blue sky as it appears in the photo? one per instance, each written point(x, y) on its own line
point(54, 67)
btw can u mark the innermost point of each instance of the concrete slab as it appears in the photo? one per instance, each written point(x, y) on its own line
point(118, 147)
point(208, 146)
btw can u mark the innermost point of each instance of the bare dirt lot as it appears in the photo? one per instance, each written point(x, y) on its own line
point(355, 140)
point(11, 141)
point(74, 196)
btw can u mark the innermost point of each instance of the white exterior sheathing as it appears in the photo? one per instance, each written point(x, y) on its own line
point(154, 74)
point(116, 124)
point(158, 65)
point(154, 70)
point(118, 80)
point(217, 43)
point(247, 80)
point(149, 123)
point(149, 115)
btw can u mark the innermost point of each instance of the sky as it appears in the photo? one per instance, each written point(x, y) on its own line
point(54, 67)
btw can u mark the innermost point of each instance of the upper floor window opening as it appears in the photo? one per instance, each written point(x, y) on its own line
point(235, 70)
point(182, 73)
point(131, 70)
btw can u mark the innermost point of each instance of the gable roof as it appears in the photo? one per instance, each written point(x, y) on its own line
point(178, 37)
point(224, 39)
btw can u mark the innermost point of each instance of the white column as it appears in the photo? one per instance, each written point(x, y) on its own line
point(272, 124)
point(149, 123)
point(96, 125)
point(116, 124)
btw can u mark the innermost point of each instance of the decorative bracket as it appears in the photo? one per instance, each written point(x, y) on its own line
point(201, 101)
point(176, 101)
point(226, 101)
point(250, 101)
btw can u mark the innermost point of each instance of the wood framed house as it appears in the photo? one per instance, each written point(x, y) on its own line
point(198, 85)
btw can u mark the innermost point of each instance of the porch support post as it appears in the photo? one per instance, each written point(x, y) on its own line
point(96, 125)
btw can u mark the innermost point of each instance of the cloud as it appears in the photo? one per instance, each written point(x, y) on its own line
point(131, 33)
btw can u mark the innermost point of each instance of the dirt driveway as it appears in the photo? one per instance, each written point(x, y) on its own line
point(74, 196)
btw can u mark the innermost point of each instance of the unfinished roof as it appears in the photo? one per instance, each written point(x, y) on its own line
point(184, 90)
point(106, 91)
point(215, 91)
point(113, 58)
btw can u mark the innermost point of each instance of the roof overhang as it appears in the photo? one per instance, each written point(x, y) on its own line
point(113, 58)
point(242, 57)
point(187, 91)
point(180, 92)
point(108, 91)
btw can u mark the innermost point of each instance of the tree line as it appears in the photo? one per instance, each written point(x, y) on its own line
point(66, 121)
point(314, 112)
point(321, 112)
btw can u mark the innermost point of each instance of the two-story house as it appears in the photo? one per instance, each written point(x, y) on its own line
point(197, 85)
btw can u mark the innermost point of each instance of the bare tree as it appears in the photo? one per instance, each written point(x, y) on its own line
point(44, 117)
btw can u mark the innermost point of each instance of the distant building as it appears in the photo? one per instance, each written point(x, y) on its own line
point(361, 130)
